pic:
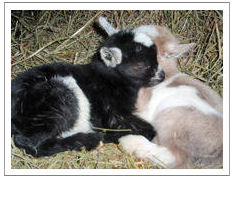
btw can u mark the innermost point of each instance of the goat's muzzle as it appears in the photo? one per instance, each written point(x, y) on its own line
point(158, 78)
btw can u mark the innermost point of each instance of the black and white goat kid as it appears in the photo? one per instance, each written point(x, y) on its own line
point(55, 106)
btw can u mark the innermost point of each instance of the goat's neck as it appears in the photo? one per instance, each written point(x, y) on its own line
point(170, 66)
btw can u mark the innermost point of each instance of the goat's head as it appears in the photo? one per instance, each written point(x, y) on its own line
point(133, 55)
point(168, 46)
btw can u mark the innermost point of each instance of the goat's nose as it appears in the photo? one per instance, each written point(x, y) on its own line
point(162, 75)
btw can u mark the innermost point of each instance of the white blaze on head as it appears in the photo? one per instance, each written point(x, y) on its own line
point(149, 30)
point(143, 39)
point(143, 34)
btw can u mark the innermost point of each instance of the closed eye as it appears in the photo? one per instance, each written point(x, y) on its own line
point(141, 66)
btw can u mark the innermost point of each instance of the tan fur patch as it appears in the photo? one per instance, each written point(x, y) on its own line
point(162, 41)
point(143, 98)
point(189, 134)
point(204, 91)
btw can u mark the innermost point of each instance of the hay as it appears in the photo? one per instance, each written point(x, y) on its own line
point(40, 37)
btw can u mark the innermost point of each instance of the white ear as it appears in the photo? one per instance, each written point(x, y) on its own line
point(111, 56)
point(110, 30)
point(176, 50)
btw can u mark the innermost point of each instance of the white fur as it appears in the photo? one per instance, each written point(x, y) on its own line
point(178, 49)
point(107, 26)
point(115, 54)
point(164, 97)
point(82, 124)
point(150, 30)
point(143, 39)
point(143, 148)
point(157, 74)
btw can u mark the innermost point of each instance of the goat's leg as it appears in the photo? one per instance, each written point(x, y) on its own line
point(143, 148)
point(56, 145)
point(137, 126)
point(74, 142)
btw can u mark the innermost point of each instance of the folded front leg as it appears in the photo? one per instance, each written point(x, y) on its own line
point(143, 148)
point(56, 145)
point(137, 126)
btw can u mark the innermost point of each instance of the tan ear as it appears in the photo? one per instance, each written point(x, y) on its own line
point(176, 50)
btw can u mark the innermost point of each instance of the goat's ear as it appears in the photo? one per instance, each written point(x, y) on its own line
point(110, 30)
point(177, 50)
point(111, 56)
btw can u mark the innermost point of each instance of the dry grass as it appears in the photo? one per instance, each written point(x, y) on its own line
point(39, 37)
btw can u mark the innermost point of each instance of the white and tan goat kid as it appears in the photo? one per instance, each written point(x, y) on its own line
point(186, 113)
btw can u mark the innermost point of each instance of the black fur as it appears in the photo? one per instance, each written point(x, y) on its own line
point(42, 108)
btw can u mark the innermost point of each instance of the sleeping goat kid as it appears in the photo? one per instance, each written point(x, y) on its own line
point(55, 106)
point(186, 113)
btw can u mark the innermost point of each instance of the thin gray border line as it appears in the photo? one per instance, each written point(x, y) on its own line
point(119, 175)
point(229, 85)
point(117, 2)
point(4, 90)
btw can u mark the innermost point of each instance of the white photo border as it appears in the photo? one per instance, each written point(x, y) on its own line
point(225, 6)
